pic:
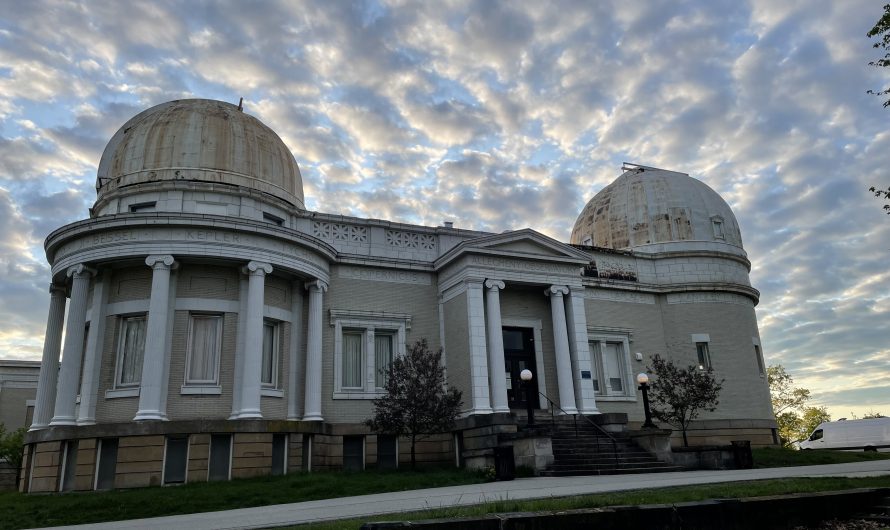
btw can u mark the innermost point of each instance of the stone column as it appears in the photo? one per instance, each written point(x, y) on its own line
point(576, 318)
point(239, 347)
point(45, 404)
point(251, 382)
point(295, 361)
point(497, 377)
point(561, 345)
point(155, 354)
point(478, 351)
point(72, 351)
point(89, 386)
point(312, 401)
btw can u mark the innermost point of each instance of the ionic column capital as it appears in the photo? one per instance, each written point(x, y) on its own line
point(79, 271)
point(160, 261)
point(257, 268)
point(319, 285)
point(494, 285)
point(556, 290)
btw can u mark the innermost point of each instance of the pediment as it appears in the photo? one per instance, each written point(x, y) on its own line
point(525, 243)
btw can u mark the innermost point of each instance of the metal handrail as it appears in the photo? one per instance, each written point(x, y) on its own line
point(575, 420)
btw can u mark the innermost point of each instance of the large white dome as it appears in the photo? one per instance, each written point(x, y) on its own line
point(645, 206)
point(200, 140)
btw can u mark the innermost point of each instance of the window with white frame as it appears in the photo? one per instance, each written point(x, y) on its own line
point(611, 367)
point(131, 347)
point(270, 354)
point(702, 350)
point(205, 343)
point(365, 344)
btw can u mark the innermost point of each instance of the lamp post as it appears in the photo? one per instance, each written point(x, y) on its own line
point(526, 376)
point(643, 380)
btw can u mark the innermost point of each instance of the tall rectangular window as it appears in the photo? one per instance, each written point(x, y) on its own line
point(611, 367)
point(205, 342)
point(704, 355)
point(759, 355)
point(131, 348)
point(382, 358)
point(270, 354)
point(352, 359)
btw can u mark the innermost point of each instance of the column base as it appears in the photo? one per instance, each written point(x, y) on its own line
point(86, 421)
point(501, 410)
point(568, 412)
point(150, 415)
point(313, 417)
point(36, 427)
point(591, 412)
point(63, 420)
point(247, 415)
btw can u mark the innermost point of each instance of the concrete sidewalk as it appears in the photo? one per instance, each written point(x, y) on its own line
point(527, 488)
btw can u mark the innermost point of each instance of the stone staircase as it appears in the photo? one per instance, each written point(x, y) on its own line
point(580, 448)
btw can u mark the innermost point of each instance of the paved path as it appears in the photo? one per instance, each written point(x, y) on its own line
point(527, 488)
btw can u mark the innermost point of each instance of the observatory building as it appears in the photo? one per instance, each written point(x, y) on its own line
point(214, 328)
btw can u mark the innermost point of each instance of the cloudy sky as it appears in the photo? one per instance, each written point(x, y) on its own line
point(496, 115)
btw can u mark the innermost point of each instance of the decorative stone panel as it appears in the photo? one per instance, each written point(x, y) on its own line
point(397, 238)
point(340, 232)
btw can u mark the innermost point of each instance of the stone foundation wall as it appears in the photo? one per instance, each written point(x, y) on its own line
point(140, 461)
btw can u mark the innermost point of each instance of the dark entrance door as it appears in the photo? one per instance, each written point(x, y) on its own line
point(519, 354)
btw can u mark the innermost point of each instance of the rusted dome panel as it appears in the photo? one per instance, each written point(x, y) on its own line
point(199, 139)
point(647, 205)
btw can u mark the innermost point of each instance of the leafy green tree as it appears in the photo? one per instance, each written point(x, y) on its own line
point(794, 418)
point(882, 31)
point(417, 401)
point(679, 395)
point(11, 447)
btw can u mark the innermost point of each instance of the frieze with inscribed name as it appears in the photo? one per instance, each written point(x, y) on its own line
point(619, 296)
point(385, 275)
point(523, 265)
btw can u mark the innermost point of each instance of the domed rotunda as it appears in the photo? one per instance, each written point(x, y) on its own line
point(203, 325)
point(650, 206)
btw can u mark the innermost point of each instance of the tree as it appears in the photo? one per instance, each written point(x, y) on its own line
point(11, 447)
point(678, 395)
point(882, 31)
point(417, 402)
point(794, 418)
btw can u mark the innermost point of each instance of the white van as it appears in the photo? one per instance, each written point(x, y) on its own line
point(851, 435)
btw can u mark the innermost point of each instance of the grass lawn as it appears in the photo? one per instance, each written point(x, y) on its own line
point(27, 511)
point(635, 497)
point(20, 511)
point(770, 457)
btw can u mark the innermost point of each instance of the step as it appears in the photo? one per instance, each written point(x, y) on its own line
point(624, 471)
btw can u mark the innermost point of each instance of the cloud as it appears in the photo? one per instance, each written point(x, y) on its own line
point(497, 116)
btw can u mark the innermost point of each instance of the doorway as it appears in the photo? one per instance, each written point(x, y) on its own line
point(519, 354)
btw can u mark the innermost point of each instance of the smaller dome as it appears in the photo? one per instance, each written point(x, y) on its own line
point(200, 140)
point(646, 206)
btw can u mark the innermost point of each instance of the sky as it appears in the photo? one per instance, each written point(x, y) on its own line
point(496, 116)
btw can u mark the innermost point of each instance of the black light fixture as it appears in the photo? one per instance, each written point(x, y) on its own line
point(643, 380)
